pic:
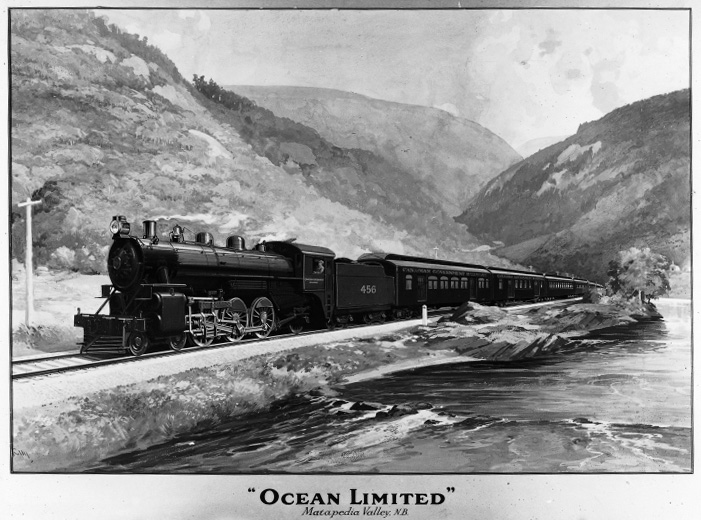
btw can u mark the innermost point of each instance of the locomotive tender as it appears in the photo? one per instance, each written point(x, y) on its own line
point(180, 292)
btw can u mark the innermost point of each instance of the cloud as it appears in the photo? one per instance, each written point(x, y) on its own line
point(204, 22)
point(522, 74)
point(604, 89)
point(450, 108)
point(589, 63)
point(168, 41)
point(549, 45)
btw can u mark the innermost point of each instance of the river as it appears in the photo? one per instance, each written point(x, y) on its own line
point(619, 402)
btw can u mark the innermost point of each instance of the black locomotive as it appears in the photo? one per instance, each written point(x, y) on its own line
point(180, 292)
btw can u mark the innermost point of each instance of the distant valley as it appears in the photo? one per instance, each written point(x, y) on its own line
point(453, 156)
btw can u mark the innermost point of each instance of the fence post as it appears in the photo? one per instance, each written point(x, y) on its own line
point(424, 315)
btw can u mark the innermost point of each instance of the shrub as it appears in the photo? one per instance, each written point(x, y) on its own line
point(639, 272)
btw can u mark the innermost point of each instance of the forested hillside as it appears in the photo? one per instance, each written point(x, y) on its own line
point(450, 157)
point(621, 181)
point(103, 124)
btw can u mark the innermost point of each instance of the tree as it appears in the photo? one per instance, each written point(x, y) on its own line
point(639, 272)
point(227, 98)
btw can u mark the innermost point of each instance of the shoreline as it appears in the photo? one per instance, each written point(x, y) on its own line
point(75, 433)
point(381, 371)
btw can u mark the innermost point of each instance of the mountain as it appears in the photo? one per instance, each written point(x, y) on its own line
point(621, 181)
point(103, 124)
point(455, 157)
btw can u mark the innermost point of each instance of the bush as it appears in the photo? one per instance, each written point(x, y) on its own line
point(592, 295)
point(639, 272)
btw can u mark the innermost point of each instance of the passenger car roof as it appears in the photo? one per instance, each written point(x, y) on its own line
point(422, 263)
point(512, 272)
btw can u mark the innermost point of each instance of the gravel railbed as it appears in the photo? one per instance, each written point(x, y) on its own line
point(45, 390)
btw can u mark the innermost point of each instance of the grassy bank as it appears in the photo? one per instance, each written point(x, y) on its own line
point(81, 431)
point(57, 296)
point(78, 433)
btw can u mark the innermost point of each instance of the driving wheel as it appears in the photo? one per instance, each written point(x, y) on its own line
point(263, 316)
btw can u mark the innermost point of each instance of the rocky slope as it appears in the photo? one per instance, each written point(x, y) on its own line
point(103, 124)
point(621, 181)
point(453, 156)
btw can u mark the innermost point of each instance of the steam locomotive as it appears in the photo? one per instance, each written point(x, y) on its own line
point(183, 292)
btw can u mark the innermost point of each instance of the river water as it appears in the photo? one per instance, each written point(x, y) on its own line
point(619, 402)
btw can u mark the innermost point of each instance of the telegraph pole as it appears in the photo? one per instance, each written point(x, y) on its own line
point(28, 268)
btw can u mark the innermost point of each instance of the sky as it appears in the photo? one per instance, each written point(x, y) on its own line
point(523, 74)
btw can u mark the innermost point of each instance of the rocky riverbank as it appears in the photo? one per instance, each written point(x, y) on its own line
point(75, 434)
point(493, 334)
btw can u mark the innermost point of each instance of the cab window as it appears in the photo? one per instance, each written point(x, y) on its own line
point(318, 266)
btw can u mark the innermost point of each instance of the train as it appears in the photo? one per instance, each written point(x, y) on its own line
point(182, 292)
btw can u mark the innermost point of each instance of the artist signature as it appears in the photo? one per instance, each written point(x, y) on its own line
point(20, 453)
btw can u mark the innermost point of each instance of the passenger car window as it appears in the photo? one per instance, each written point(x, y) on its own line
point(433, 282)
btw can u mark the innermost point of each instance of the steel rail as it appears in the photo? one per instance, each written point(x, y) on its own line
point(44, 359)
point(90, 362)
point(93, 363)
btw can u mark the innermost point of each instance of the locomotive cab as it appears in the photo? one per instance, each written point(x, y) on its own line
point(314, 268)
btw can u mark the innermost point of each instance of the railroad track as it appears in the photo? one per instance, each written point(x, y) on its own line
point(59, 363)
point(53, 364)
point(26, 368)
point(47, 364)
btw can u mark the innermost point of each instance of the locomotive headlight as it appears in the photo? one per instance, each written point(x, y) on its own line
point(120, 225)
point(114, 226)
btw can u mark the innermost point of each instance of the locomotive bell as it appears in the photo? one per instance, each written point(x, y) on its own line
point(177, 234)
point(236, 242)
